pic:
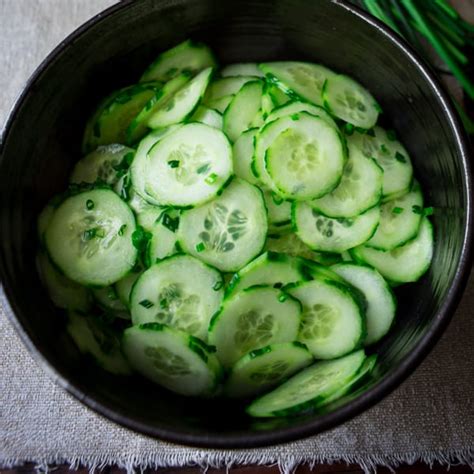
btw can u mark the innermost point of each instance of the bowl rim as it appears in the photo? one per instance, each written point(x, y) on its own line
point(323, 422)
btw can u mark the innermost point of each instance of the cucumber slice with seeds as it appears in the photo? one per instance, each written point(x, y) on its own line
point(264, 368)
point(90, 238)
point(303, 79)
point(327, 234)
point(180, 291)
point(349, 101)
point(242, 153)
point(270, 268)
point(400, 221)
point(183, 103)
point(390, 155)
point(241, 69)
point(251, 319)
point(187, 56)
point(403, 264)
point(332, 322)
point(188, 167)
point(229, 231)
point(171, 358)
point(92, 336)
point(312, 388)
point(208, 116)
point(295, 107)
point(359, 189)
point(102, 164)
point(279, 210)
point(243, 109)
point(381, 304)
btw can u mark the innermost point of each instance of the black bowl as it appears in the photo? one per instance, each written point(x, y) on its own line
point(42, 141)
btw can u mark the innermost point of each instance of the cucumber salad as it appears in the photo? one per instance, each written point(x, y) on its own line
point(236, 232)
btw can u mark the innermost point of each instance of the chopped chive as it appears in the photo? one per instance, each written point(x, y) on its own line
point(173, 163)
point(349, 128)
point(89, 234)
point(200, 247)
point(278, 285)
point(391, 135)
point(378, 108)
point(417, 209)
point(128, 158)
point(100, 232)
point(203, 168)
point(218, 285)
point(211, 179)
point(122, 229)
point(276, 199)
point(295, 117)
point(282, 298)
point(383, 148)
point(89, 204)
point(170, 223)
point(397, 210)
point(399, 157)
point(146, 304)
point(163, 303)
point(429, 211)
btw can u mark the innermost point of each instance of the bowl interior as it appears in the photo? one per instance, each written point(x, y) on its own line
point(43, 142)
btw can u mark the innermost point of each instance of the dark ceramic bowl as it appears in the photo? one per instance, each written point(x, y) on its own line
point(42, 141)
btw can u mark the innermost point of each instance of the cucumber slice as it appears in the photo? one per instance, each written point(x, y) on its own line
point(359, 189)
point(241, 69)
point(64, 293)
point(390, 155)
point(242, 152)
point(180, 291)
point(303, 156)
point(332, 322)
point(349, 101)
point(220, 105)
point(110, 121)
point(328, 234)
point(138, 128)
point(279, 210)
point(92, 336)
point(310, 389)
point(289, 244)
point(187, 56)
point(208, 116)
point(227, 86)
point(125, 285)
point(381, 304)
point(298, 78)
point(268, 105)
point(43, 220)
point(171, 358)
point(403, 264)
point(400, 221)
point(108, 299)
point(163, 237)
point(229, 231)
point(278, 96)
point(297, 106)
point(270, 268)
point(264, 368)
point(243, 109)
point(188, 167)
point(90, 238)
point(183, 103)
point(106, 164)
point(251, 319)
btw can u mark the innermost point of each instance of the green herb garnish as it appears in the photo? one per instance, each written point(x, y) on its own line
point(211, 179)
point(200, 247)
point(397, 210)
point(399, 157)
point(173, 163)
point(146, 304)
point(89, 204)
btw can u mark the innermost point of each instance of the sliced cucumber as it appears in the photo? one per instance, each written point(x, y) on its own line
point(360, 188)
point(106, 164)
point(43, 220)
point(92, 336)
point(138, 128)
point(243, 109)
point(380, 301)
point(332, 323)
point(279, 210)
point(187, 56)
point(337, 234)
point(229, 231)
point(290, 244)
point(300, 157)
point(297, 106)
point(390, 155)
point(208, 116)
point(189, 166)
point(64, 293)
point(403, 264)
point(108, 299)
point(171, 358)
point(312, 388)
point(303, 79)
point(251, 319)
point(242, 69)
point(227, 86)
point(114, 115)
point(182, 104)
point(400, 221)
point(163, 236)
point(220, 104)
point(179, 291)
point(125, 285)
point(278, 96)
point(349, 101)
point(90, 238)
point(243, 150)
point(264, 368)
point(270, 268)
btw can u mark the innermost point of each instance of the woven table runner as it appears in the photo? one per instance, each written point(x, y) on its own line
point(429, 418)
